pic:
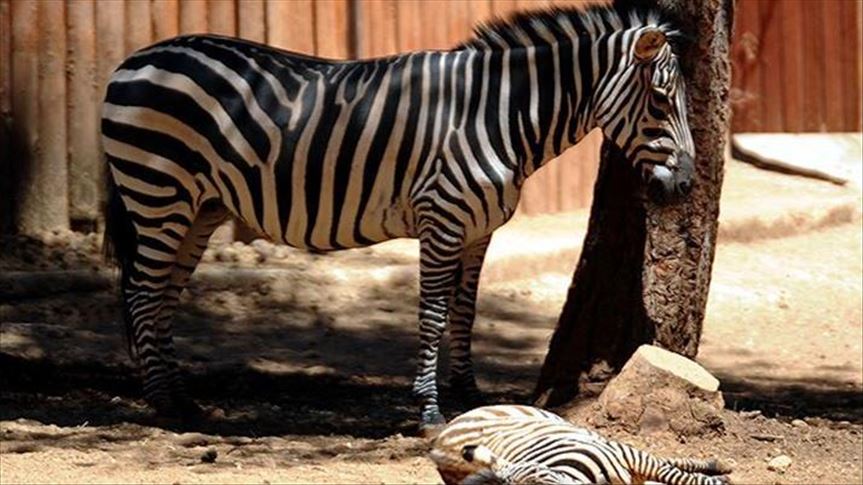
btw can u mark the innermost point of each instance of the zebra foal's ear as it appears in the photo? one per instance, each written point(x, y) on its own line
point(650, 41)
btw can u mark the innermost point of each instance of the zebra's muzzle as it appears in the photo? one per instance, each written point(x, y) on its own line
point(666, 185)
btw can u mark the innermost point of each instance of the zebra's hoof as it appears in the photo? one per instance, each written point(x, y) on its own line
point(431, 425)
point(189, 410)
point(180, 409)
point(723, 479)
point(469, 396)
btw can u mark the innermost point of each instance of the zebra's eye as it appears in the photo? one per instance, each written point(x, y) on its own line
point(661, 99)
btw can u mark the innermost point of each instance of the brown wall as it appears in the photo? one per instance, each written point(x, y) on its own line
point(797, 68)
point(797, 65)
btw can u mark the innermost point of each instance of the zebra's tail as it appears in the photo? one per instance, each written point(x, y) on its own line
point(119, 244)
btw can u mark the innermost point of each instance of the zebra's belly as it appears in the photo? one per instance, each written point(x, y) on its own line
point(377, 224)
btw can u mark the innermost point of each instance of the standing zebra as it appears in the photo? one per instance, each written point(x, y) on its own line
point(525, 445)
point(326, 155)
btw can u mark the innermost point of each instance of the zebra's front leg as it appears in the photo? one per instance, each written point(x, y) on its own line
point(462, 313)
point(439, 264)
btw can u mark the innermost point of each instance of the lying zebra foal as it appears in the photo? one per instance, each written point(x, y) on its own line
point(510, 444)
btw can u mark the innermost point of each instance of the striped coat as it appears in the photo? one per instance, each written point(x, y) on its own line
point(510, 444)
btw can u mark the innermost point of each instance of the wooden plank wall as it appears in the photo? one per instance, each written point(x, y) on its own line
point(797, 67)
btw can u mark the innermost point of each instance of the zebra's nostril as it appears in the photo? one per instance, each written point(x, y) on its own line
point(684, 187)
point(656, 191)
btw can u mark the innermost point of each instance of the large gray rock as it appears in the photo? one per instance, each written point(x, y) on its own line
point(660, 391)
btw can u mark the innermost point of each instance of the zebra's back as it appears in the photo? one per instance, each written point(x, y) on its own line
point(304, 150)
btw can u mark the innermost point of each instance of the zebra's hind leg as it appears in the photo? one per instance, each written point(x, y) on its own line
point(672, 475)
point(677, 471)
point(146, 272)
point(439, 261)
point(706, 467)
point(166, 252)
point(462, 312)
point(208, 219)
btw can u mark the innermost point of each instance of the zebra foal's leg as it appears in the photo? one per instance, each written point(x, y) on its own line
point(710, 466)
point(439, 261)
point(462, 312)
point(681, 471)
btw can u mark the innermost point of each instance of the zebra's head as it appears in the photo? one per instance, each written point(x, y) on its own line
point(642, 110)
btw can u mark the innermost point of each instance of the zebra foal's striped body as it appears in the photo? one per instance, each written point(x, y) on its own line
point(525, 445)
point(328, 155)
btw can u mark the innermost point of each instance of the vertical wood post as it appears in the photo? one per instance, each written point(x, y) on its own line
point(252, 21)
point(44, 201)
point(166, 19)
point(331, 28)
point(139, 25)
point(85, 165)
point(193, 16)
point(6, 184)
point(222, 17)
point(25, 105)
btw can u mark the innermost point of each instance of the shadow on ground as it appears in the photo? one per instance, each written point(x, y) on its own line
point(304, 356)
point(794, 398)
point(328, 365)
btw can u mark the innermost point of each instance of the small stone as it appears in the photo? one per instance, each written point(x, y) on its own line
point(209, 456)
point(190, 440)
point(779, 464)
point(842, 425)
point(799, 423)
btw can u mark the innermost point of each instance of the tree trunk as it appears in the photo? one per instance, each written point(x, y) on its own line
point(644, 270)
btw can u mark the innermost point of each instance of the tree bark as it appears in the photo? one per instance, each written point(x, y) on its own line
point(644, 270)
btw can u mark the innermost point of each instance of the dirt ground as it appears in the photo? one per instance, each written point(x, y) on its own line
point(306, 361)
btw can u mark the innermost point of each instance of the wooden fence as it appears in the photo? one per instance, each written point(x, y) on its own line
point(57, 54)
point(797, 65)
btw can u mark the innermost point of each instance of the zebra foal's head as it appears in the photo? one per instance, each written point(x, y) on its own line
point(642, 109)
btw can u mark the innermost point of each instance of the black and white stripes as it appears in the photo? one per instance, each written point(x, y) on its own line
point(327, 155)
point(525, 445)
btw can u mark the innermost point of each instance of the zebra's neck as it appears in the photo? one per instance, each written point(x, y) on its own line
point(545, 98)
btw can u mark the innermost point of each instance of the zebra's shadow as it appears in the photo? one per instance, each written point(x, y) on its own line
point(304, 361)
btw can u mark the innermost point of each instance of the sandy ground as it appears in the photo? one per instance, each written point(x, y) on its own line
point(307, 365)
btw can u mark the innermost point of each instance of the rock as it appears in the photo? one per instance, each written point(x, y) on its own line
point(799, 423)
point(659, 391)
point(209, 456)
point(842, 425)
point(779, 464)
point(190, 440)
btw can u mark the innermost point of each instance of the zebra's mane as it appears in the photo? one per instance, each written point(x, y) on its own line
point(562, 23)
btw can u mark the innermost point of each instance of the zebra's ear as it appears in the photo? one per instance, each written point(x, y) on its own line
point(648, 44)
